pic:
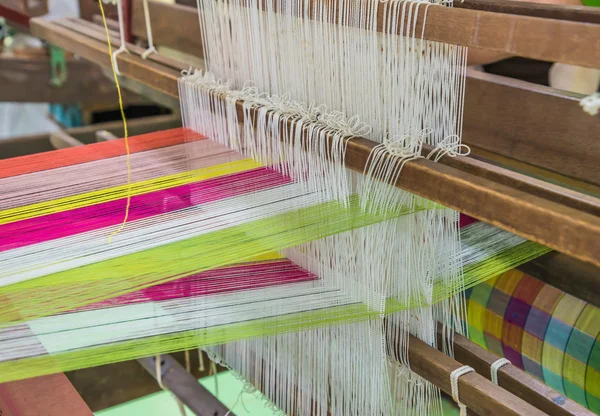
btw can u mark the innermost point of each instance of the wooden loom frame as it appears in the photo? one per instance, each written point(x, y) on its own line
point(563, 219)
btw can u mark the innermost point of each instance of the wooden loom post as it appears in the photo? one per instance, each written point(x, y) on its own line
point(575, 13)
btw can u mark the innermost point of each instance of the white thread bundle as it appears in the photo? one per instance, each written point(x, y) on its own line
point(407, 91)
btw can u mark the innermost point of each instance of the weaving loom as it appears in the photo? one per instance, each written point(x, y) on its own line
point(270, 231)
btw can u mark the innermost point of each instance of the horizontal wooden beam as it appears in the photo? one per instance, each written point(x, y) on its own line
point(145, 71)
point(184, 386)
point(534, 171)
point(488, 193)
point(516, 381)
point(551, 40)
point(537, 125)
point(478, 393)
point(531, 123)
point(529, 37)
point(573, 12)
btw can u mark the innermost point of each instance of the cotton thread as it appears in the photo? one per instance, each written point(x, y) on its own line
point(151, 49)
point(113, 61)
point(461, 371)
point(496, 365)
point(591, 104)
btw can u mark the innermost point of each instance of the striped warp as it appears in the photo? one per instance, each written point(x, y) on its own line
point(65, 309)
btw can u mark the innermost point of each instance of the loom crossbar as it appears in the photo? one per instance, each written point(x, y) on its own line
point(506, 205)
point(520, 35)
point(514, 380)
point(534, 124)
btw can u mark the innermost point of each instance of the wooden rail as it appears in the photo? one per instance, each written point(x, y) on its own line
point(516, 381)
point(489, 126)
point(532, 123)
point(565, 221)
point(575, 13)
point(530, 37)
point(529, 123)
point(478, 393)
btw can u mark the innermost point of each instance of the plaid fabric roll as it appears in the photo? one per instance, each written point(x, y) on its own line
point(542, 330)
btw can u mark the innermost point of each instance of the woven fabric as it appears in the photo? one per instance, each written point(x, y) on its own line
point(542, 330)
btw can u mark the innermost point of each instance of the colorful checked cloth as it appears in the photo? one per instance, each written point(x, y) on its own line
point(542, 330)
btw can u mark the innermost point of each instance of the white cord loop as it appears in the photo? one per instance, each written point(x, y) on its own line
point(122, 48)
point(461, 371)
point(591, 104)
point(405, 145)
point(450, 146)
point(158, 370)
point(496, 365)
point(151, 49)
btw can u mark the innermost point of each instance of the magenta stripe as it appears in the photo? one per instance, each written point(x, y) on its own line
point(227, 279)
point(80, 220)
point(466, 220)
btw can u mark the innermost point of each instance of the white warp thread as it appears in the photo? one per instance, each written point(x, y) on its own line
point(496, 365)
point(454, 376)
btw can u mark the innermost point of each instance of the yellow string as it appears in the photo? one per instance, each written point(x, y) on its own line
point(126, 135)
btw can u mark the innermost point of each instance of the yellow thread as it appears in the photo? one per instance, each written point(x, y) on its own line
point(118, 192)
point(126, 137)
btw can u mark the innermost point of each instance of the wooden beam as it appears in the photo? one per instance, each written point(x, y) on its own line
point(516, 381)
point(534, 171)
point(530, 37)
point(475, 391)
point(499, 197)
point(50, 395)
point(532, 123)
point(575, 13)
point(89, 8)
